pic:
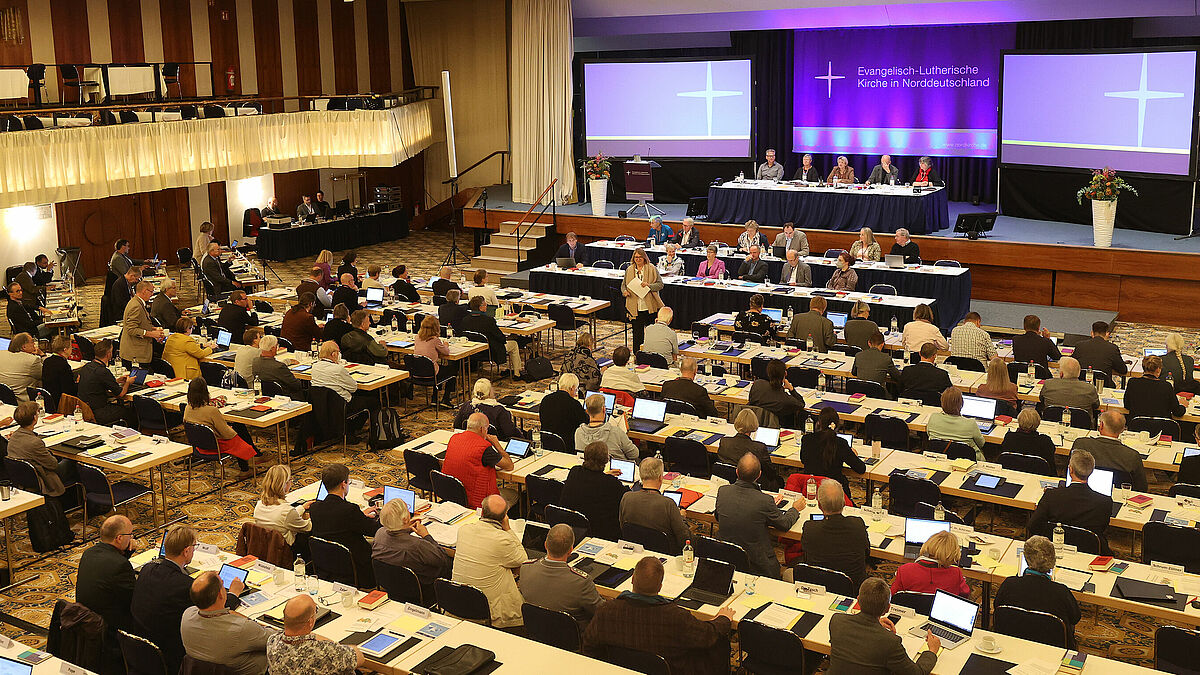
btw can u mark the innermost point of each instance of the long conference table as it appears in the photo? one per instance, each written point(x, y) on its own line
point(950, 286)
point(338, 234)
point(882, 208)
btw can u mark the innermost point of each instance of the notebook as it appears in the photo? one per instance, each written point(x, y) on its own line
point(648, 416)
point(917, 531)
point(952, 619)
point(711, 585)
point(981, 410)
point(610, 400)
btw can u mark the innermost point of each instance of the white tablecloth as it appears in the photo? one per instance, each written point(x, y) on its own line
point(14, 83)
point(131, 80)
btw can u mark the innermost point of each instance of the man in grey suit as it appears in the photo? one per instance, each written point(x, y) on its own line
point(1110, 452)
point(215, 272)
point(867, 643)
point(874, 365)
point(884, 172)
point(795, 273)
point(753, 268)
point(138, 332)
point(120, 262)
point(792, 239)
point(1068, 390)
point(744, 512)
point(266, 367)
point(813, 326)
point(306, 208)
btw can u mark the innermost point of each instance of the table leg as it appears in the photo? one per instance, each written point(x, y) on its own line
point(154, 499)
point(162, 480)
point(12, 572)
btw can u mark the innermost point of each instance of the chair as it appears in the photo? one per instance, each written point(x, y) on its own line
point(579, 523)
point(551, 627)
point(1029, 624)
point(725, 471)
point(715, 549)
point(128, 117)
point(11, 123)
point(758, 367)
point(686, 456)
point(82, 644)
point(1085, 540)
point(170, 76)
point(23, 475)
point(68, 404)
point(36, 72)
point(264, 543)
point(905, 492)
point(33, 122)
point(651, 359)
point(1175, 649)
point(770, 651)
point(194, 666)
point(400, 582)
point(101, 496)
point(553, 442)
point(921, 603)
point(1017, 368)
point(834, 252)
point(333, 561)
point(625, 237)
point(1185, 489)
point(421, 372)
point(1156, 425)
point(564, 318)
point(486, 356)
point(152, 417)
point(952, 449)
point(805, 378)
point(882, 289)
point(418, 466)
point(637, 661)
point(1171, 544)
point(141, 656)
point(650, 538)
point(947, 263)
point(833, 580)
point(7, 396)
point(328, 405)
point(213, 372)
point(205, 449)
point(1018, 461)
point(603, 265)
point(867, 388)
point(542, 492)
point(1079, 417)
point(87, 349)
point(447, 488)
point(71, 79)
point(927, 511)
point(677, 407)
point(848, 350)
point(462, 601)
point(967, 363)
point(891, 432)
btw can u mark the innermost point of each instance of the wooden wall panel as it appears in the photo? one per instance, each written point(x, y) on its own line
point(151, 221)
point(219, 210)
point(267, 55)
point(307, 48)
point(1168, 302)
point(71, 42)
point(223, 36)
point(22, 54)
point(1089, 291)
point(125, 31)
point(289, 187)
point(176, 19)
point(345, 57)
point(378, 48)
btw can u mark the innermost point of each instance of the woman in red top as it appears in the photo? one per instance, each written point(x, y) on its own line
point(937, 568)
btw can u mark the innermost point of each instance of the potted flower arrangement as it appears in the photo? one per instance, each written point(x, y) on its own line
point(598, 170)
point(1103, 189)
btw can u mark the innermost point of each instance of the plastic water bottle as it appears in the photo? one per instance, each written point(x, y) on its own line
point(1060, 537)
point(689, 559)
point(1030, 370)
point(791, 313)
point(257, 386)
point(741, 176)
point(895, 327)
point(809, 425)
point(877, 505)
point(939, 512)
point(810, 494)
point(449, 333)
point(298, 573)
point(396, 322)
point(821, 382)
point(538, 450)
point(41, 402)
point(206, 305)
point(1090, 377)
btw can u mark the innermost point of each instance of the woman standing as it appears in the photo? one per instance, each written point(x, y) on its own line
point(204, 239)
point(866, 248)
point(641, 309)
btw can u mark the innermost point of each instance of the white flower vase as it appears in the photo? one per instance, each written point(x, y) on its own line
point(1104, 214)
point(598, 189)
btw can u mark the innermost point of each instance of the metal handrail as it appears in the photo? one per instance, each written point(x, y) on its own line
point(462, 173)
point(553, 215)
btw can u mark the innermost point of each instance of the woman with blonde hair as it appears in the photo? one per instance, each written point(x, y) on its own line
point(865, 247)
point(183, 352)
point(395, 544)
point(204, 238)
point(936, 570)
point(998, 384)
point(641, 309)
point(1177, 366)
point(325, 264)
point(273, 511)
point(482, 400)
point(429, 343)
point(921, 330)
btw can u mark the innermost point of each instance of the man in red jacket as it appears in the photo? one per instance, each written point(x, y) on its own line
point(473, 456)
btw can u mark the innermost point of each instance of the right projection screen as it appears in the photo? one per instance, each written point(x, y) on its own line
point(1133, 111)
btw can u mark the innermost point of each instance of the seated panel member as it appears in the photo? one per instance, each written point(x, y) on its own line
point(843, 172)
point(306, 208)
point(688, 236)
point(795, 272)
point(711, 267)
point(753, 267)
point(792, 239)
point(906, 247)
point(884, 172)
point(807, 172)
point(926, 175)
point(571, 249)
point(769, 170)
point(660, 232)
point(751, 237)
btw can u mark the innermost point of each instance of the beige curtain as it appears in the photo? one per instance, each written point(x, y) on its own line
point(541, 100)
point(59, 165)
point(468, 38)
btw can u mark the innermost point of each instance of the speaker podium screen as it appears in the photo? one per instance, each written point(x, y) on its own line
point(667, 108)
point(1131, 111)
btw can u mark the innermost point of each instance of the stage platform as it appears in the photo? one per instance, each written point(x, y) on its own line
point(1009, 317)
point(1145, 277)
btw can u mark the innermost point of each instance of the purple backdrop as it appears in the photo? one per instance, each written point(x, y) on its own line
point(1132, 112)
point(907, 91)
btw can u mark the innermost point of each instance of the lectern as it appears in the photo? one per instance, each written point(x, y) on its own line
point(639, 184)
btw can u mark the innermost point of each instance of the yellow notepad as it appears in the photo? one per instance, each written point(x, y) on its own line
point(408, 623)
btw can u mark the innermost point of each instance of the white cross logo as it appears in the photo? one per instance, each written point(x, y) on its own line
point(829, 77)
point(1142, 95)
point(708, 94)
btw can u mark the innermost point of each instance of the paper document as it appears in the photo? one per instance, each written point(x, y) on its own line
point(779, 616)
point(636, 287)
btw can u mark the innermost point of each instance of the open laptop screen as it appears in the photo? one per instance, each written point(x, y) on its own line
point(1101, 481)
point(534, 536)
point(405, 495)
point(610, 400)
point(979, 408)
point(767, 436)
point(224, 337)
point(713, 576)
point(917, 530)
point(646, 409)
point(838, 319)
point(951, 610)
point(774, 313)
point(375, 295)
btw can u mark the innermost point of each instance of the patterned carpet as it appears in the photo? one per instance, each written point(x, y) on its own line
point(48, 577)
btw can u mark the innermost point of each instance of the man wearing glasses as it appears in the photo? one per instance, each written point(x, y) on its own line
point(105, 580)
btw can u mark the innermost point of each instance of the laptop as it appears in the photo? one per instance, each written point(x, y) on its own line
point(4, 342)
point(980, 409)
point(711, 586)
point(893, 261)
point(565, 263)
point(773, 313)
point(779, 251)
point(224, 338)
point(517, 448)
point(533, 540)
point(162, 553)
point(917, 531)
point(625, 466)
point(648, 416)
point(610, 400)
point(322, 493)
point(675, 496)
point(1149, 351)
point(405, 495)
point(768, 437)
point(838, 319)
point(13, 667)
point(374, 297)
point(1101, 481)
point(228, 573)
point(952, 619)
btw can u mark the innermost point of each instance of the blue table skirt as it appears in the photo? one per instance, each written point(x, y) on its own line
point(843, 210)
point(953, 294)
point(692, 303)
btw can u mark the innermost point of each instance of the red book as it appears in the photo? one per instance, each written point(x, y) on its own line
point(244, 561)
point(1139, 501)
point(373, 599)
point(1101, 563)
point(1003, 419)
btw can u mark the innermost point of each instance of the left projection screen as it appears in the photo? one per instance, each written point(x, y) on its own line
point(667, 108)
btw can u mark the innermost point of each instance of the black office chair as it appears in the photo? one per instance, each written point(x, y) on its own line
point(542, 492)
point(650, 538)
point(1029, 624)
point(400, 582)
point(141, 656)
point(921, 603)
point(651, 359)
point(1155, 426)
point(447, 488)
point(101, 496)
point(551, 627)
point(715, 549)
point(1171, 544)
point(771, 651)
point(564, 319)
point(686, 456)
point(833, 580)
point(1185, 489)
point(891, 432)
point(71, 78)
point(332, 561)
point(36, 72)
point(1017, 461)
point(966, 363)
point(805, 378)
point(1083, 539)
point(418, 466)
point(758, 367)
point(462, 601)
point(725, 471)
point(882, 289)
point(1080, 418)
point(677, 407)
point(579, 523)
point(552, 442)
point(205, 450)
point(952, 449)
point(1175, 649)
point(421, 373)
point(904, 493)
point(7, 396)
point(927, 511)
point(153, 418)
point(1018, 368)
point(636, 660)
point(867, 388)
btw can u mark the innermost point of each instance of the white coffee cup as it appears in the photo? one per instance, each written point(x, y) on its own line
point(988, 642)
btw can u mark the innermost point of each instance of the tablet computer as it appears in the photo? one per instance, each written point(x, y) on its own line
point(518, 448)
point(228, 573)
point(381, 644)
point(624, 466)
point(985, 481)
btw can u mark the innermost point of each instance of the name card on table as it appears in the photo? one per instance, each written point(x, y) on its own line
point(417, 610)
point(5, 642)
point(207, 548)
point(989, 466)
point(69, 669)
point(1167, 567)
point(803, 589)
point(263, 566)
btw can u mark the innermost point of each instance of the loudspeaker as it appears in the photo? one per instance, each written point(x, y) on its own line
point(697, 207)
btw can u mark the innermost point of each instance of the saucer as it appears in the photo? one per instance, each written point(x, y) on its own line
point(979, 647)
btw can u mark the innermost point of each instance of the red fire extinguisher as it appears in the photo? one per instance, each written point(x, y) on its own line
point(230, 79)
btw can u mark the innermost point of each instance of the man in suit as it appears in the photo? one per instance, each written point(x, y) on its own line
point(649, 507)
point(163, 309)
point(105, 580)
point(1035, 344)
point(272, 208)
point(347, 293)
point(338, 520)
point(24, 319)
point(924, 378)
point(744, 512)
point(792, 240)
point(926, 175)
point(443, 282)
point(884, 172)
point(807, 172)
point(571, 249)
point(873, 364)
point(451, 312)
point(306, 208)
point(478, 321)
point(1097, 353)
point(120, 262)
point(320, 205)
point(836, 542)
point(552, 583)
point(236, 316)
point(860, 327)
point(32, 290)
point(684, 388)
point(1076, 504)
point(268, 368)
point(795, 273)
point(813, 327)
point(753, 268)
point(688, 236)
point(163, 591)
point(97, 388)
point(138, 332)
point(122, 290)
point(867, 642)
point(216, 273)
point(1148, 396)
point(45, 270)
point(1068, 390)
point(1111, 453)
point(403, 288)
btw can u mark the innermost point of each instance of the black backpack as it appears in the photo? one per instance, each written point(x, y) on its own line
point(386, 431)
point(48, 527)
point(538, 368)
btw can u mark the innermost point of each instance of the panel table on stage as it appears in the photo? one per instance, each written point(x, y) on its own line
point(882, 208)
point(338, 234)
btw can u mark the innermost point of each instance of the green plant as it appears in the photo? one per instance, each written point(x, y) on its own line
point(1104, 186)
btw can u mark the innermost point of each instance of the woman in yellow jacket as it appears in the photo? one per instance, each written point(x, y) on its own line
point(183, 352)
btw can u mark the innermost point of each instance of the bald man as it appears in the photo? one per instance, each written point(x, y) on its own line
point(300, 651)
point(485, 556)
point(105, 580)
point(443, 282)
point(884, 172)
point(473, 456)
point(212, 632)
point(745, 512)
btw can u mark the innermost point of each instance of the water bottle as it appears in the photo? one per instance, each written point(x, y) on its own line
point(877, 505)
point(205, 309)
point(895, 327)
point(1020, 556)
point(791, 313)
point(41, 402)
point(741, 176)
point(1060, 537)
point(257, 386)
point(1090, 377)
point(809, 425)
point(689, 559)
point(821, 382)
point(449, 333)
point(1066, 418)
point(810, 493)
point(939, 512)
point(538, 450)
point(298, 573)
point(1030, 370)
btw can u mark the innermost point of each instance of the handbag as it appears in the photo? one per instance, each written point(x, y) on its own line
point(461, 660)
